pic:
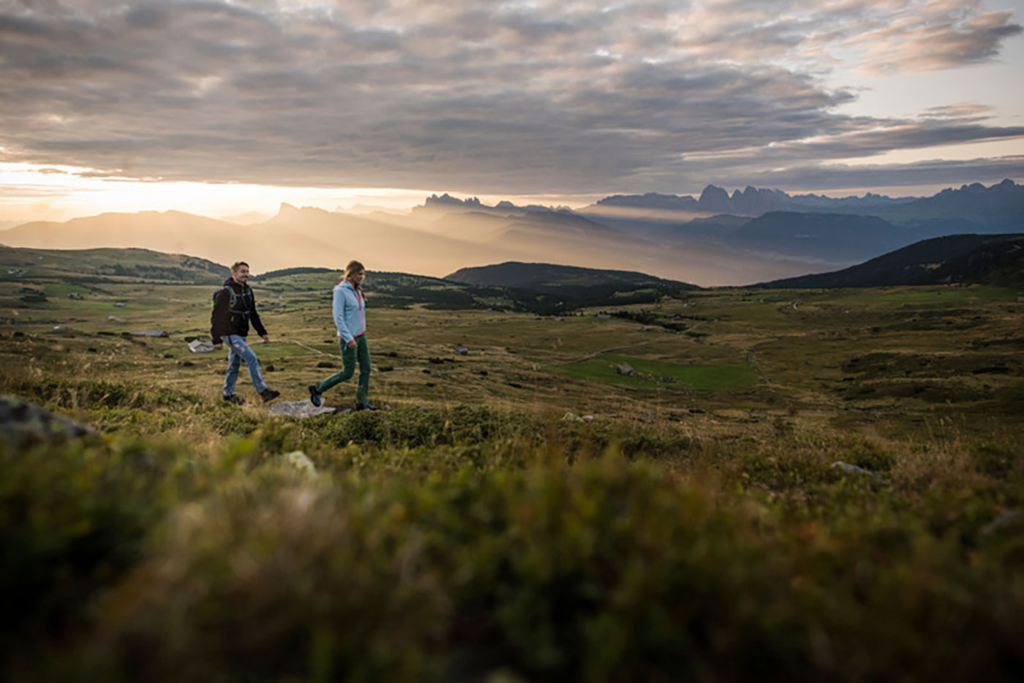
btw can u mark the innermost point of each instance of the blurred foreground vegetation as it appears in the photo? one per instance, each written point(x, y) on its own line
point(463, 543)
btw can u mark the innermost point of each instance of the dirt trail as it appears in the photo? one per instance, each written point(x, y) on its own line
point(598, 353)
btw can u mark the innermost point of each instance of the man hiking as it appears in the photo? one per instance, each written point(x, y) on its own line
point(234, 305)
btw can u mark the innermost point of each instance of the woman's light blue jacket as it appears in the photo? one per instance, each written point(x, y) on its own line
point(349, 310)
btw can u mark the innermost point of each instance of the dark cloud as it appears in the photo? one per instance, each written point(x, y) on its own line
point(952, 35)
point(509, 98)
point(924, 173)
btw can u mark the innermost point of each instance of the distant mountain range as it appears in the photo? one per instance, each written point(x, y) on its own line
point(750, 202)
point(997, 207)
point(982, 259)
point(753, 235)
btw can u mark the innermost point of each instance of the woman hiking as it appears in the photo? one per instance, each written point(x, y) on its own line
point(349, 309)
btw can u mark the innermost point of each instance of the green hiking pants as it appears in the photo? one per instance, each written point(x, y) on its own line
point(348, 358)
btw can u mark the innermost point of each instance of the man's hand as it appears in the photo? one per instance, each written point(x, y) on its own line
point(218, 346)
point(352, 344)
point(266, 339)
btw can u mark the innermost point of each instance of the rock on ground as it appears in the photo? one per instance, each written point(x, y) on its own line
point(299, 409)
point(24, 424)
point(851, 469)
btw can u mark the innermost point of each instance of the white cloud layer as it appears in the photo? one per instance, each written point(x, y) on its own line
point(509, 97)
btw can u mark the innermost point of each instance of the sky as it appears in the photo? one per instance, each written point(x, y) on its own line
point(226, 107)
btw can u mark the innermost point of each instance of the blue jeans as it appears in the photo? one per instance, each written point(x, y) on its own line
point(240, 351)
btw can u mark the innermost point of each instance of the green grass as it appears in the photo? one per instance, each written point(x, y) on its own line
point(953, 296)
point(652, 374)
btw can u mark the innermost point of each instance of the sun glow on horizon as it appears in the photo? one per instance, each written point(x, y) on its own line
point(53, 192)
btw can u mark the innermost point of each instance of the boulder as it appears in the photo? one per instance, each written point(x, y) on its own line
point(24, 424)
point(149, 333)
point(625, 369)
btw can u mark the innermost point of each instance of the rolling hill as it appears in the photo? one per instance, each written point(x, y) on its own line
point(97, 265)
point(569, 287)
point(544, 290)
point(988, 259)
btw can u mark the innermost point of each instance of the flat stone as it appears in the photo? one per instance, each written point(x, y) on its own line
point(149, 333)
point(299, 409)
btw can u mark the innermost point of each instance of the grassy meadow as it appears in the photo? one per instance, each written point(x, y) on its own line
point(519, 511)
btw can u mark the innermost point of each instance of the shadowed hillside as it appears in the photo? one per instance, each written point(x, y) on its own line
point(987, 259)
point(570, 287)
point(552, 278)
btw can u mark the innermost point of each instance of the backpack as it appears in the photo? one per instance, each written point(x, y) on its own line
point(233, 310)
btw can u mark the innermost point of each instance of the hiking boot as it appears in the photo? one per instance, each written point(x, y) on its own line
point(365, 405)
point(315, 397)
point(234, 399)
point(269, 395)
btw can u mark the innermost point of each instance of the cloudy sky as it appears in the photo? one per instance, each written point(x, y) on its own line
point(222, 106)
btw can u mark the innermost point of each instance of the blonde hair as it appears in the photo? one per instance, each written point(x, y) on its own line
point(352, 268)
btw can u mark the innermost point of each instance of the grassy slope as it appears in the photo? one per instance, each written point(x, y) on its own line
point(694, 529)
